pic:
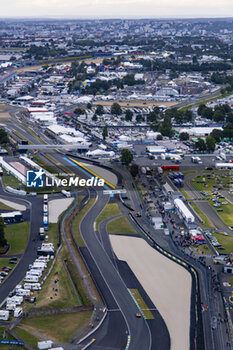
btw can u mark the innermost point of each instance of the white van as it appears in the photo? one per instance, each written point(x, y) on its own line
point(4, 315)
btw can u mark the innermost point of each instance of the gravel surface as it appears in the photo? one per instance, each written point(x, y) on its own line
point(56, 207)
point(167, 284)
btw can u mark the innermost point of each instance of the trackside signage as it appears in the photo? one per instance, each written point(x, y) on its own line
point(38, 178)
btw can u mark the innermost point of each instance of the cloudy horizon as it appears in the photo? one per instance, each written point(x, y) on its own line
point(116, 9)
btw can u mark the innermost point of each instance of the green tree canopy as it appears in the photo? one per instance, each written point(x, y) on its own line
point(200, 145)
point(134, 169)
point(210, 143)
point(99, 110)
point(166, 127)
point(79, 111)
point(116, 109)
point(128, 115)
point(126, 156)
point(217, 135)
point(183, 136)
point(105, 132)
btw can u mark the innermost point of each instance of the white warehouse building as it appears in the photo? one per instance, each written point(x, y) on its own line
point(184, 211)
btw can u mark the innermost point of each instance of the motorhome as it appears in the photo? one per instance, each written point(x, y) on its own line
point(11, 306)
point(16, 299)
point(32, 286)
point(43, 258)
point(4, 315)
point(23, 292)
point(29, 278)
point(18, 311)
point(38, 267)
point(36, 273)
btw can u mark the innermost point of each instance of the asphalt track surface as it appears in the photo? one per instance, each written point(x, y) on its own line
point(159, 332)
point(137, 328)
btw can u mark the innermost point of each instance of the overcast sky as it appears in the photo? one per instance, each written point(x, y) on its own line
point(116, 8)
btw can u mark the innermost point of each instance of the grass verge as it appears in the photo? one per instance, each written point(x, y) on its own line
point(225, 241)
point(17, 236)
point(110, 210)
point(201, 249)
point(27, 337)
point(59, 327)
point(8, 337)
point(10, 180)
point(137, 296)
point(120, 225)
point(5, 207)
point(57, 291)
point(206, 221)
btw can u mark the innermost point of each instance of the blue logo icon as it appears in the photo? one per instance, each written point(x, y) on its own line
point(35, 178)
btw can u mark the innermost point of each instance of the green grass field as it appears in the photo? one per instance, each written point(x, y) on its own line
point(203, 183)
point(10, 180)
point(201, 249)
point(110, 210)
point(17, 236)
point(65, 295)
point(225, 241)
point(27, 337)
point(8, 337)
point(227, 213)
point(53, 233)
point(120, 225)
point(58, 327)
